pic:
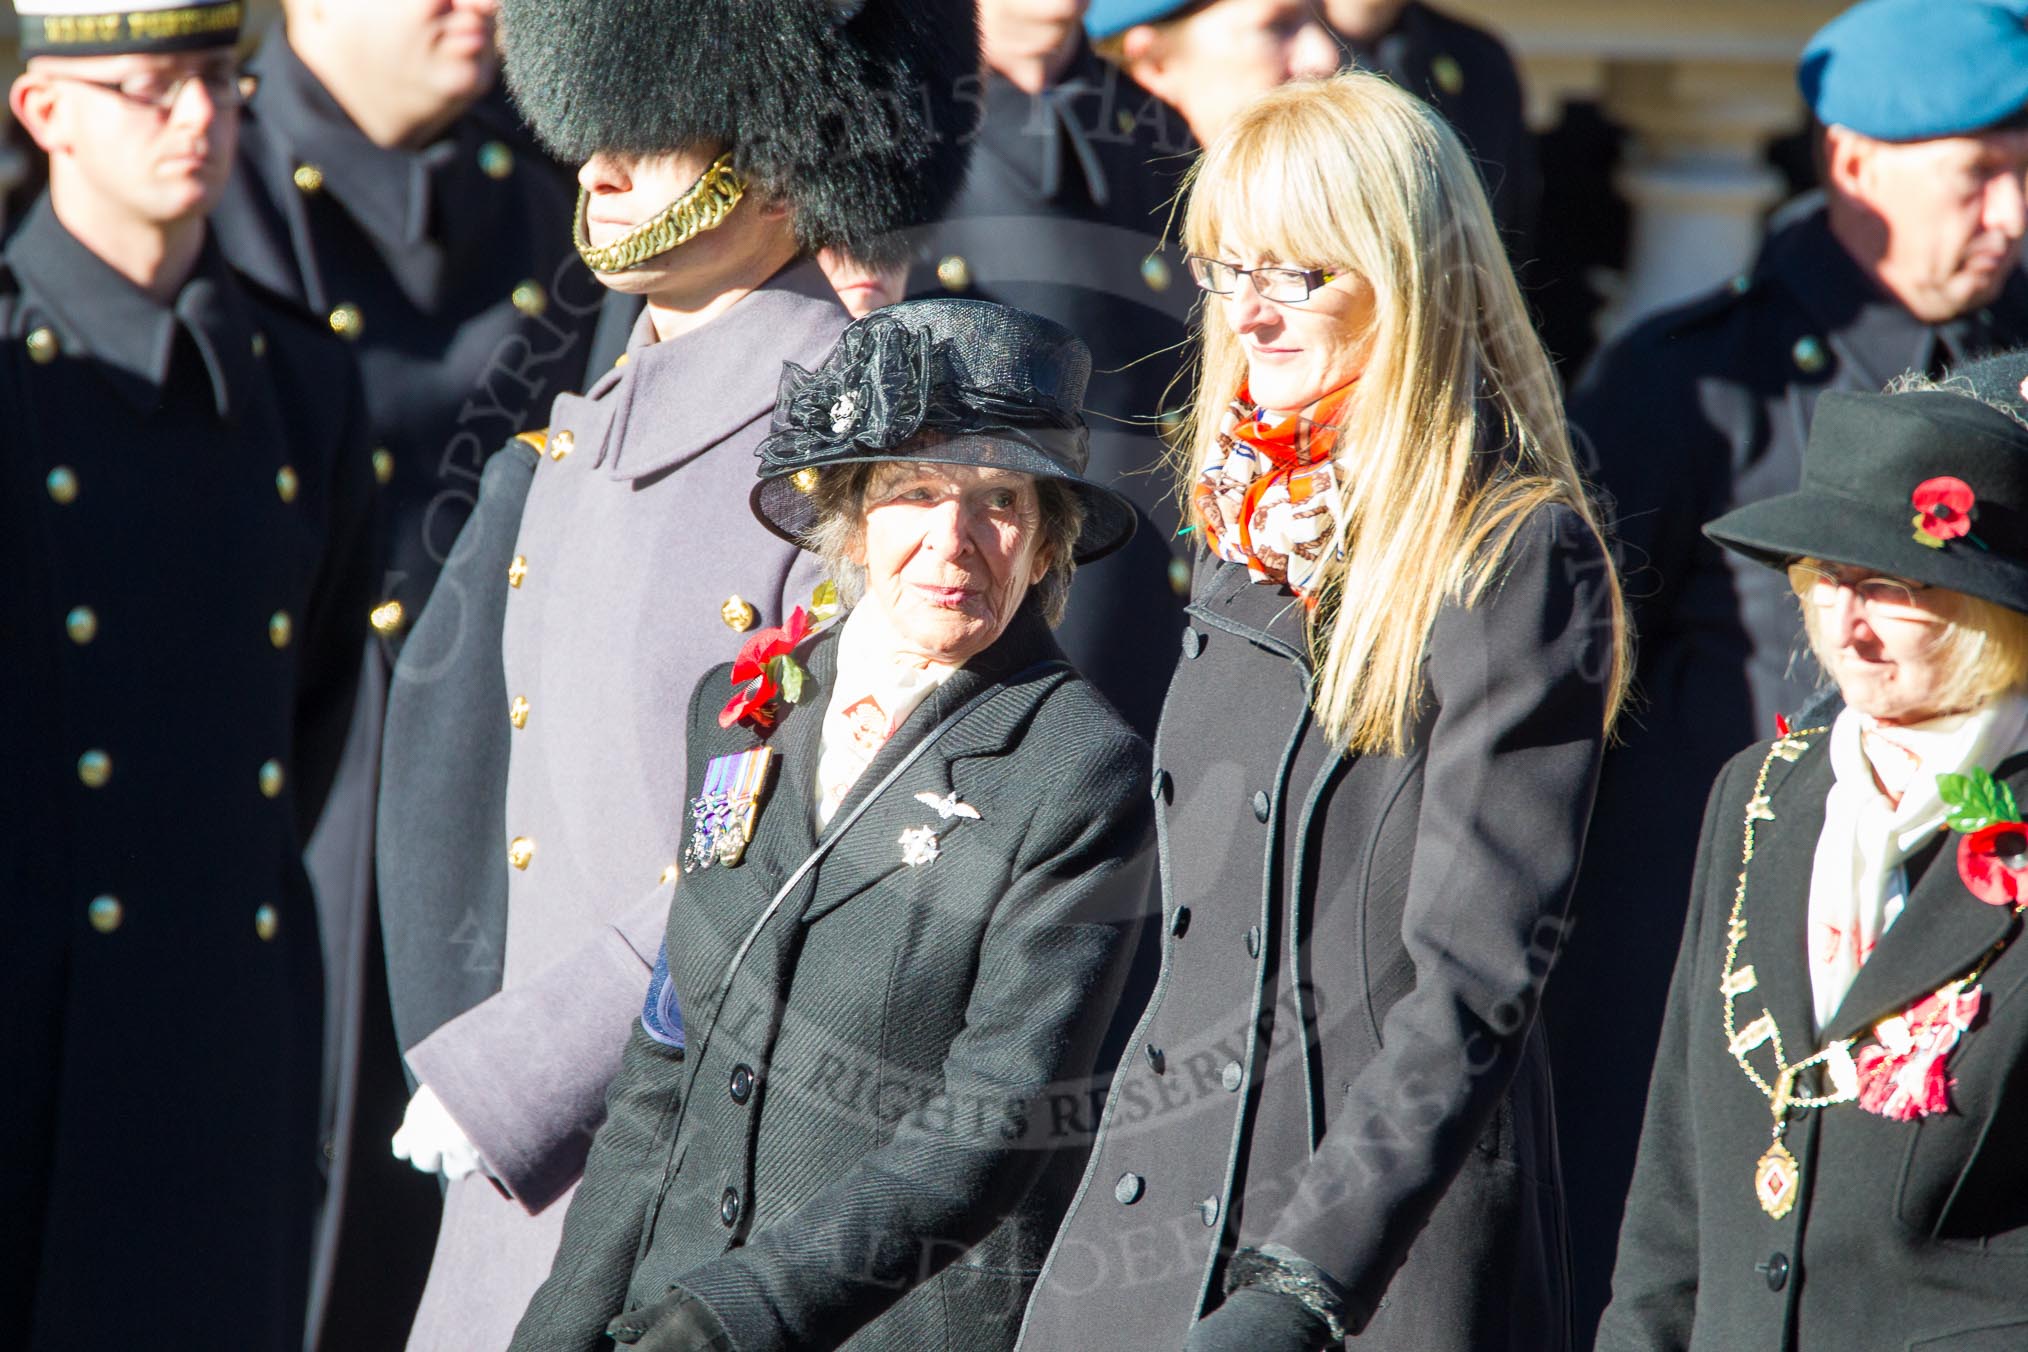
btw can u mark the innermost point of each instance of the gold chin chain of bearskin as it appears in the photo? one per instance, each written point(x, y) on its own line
point(704, 207)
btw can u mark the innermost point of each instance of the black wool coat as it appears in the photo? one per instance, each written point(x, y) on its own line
point(856, 1146)
point(1341, 1056)
point(1906, 1235)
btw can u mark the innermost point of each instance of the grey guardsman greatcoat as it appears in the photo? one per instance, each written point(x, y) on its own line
point(635, 547)
point(1341, 1055)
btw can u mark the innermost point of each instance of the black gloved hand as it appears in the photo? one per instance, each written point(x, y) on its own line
point(679, 1322)
point(1252, 1320)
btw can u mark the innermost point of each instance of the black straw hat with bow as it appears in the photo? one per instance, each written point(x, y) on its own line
point(959, 382)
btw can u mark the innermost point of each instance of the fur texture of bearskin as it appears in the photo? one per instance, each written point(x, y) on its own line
point(859, 115)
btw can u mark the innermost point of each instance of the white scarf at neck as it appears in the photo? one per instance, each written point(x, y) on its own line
point(1857, 884)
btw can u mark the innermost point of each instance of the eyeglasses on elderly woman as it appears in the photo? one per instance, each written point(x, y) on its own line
point(1882, 598)
point(1290, 286)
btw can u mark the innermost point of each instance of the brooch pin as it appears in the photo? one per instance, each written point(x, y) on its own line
point(722, 817)
point(947, 806)
point(918, 846)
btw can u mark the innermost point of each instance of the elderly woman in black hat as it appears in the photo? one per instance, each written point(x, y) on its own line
point(1832, 1156)
point(916, 855)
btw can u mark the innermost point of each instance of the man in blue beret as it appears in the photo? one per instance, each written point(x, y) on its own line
point(1210, 58)
point(1907, 259)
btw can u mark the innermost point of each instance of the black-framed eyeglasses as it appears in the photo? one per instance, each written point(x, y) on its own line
point(159, 91)
point(1290, 286)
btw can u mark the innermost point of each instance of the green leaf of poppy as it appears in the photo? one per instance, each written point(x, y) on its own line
point(1968, 809)
point(824, 601)
point(787, 675)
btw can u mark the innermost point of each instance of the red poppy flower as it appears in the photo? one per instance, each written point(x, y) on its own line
point(1945, 506)
point(1993, 862)
point(755, 672)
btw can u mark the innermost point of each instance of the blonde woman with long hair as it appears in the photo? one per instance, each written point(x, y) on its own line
point(1377, 759)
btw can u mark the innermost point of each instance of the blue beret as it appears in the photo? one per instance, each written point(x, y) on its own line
point(1913, 70)
point(1109, 18)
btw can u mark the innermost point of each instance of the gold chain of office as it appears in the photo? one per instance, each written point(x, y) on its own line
point(1777, 1179)
point(703, 207)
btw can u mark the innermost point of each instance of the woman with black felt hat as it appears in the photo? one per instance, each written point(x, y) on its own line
point(915, 857)
point(1831, 1156)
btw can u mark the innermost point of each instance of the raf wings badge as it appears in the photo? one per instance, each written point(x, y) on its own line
point(722, 817)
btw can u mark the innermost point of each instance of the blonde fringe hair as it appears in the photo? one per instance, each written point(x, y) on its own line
point(1982, 648)
point(1352, 172)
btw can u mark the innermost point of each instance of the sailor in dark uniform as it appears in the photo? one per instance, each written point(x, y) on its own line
point(1074, 171)
point(1908, 260)
point(1210, 58)
point(184, 499)
point(1465, 73)
point(385, 185)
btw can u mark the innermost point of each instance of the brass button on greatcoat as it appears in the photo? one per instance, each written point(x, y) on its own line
point(347, 322)
point(1157, 1061)
point(267, 924)
point(272, 779)
point(1155, 272)
point(1262, 807)
point(1809, 355)
point(517, 711)
point(94, 768)
point(1179, 576)
point(530, 299)
point(1253, 941)
point(520, 852)
point(1207, 1211)
point(259, 345)
point(562, 444)
point(386, 618)
point(105, 913)
point(42, 346)
point(741, 1087)
point(1160, 788)
point(1449, 75)
point(728, 1208)
point(62, 485)
point(954, 272)
point(517, 571)
point(308, 178)
point(496, 160)
point(1129, 1189)
point(281, 629)
point(82, 624)
point(1179, 924)
point(383, 466)
point(738, 614)
point(287, 484)
point(1231, 1077)
point(1193, 642)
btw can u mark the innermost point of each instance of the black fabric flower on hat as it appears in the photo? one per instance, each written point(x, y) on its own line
point(873, 393)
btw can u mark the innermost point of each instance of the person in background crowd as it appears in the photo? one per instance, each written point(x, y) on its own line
point(385, 187)
point(1210, 58)
point(862, 287)
point(1377, 759)
point(1907, 260)
point(1830, 1157)
point(1075, 173)
point(1467, 75)
point(536, 730)
point(984, 841)
point(185, 502)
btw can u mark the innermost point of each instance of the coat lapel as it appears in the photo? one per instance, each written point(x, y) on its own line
point(1941, 935)
point(1777, 895)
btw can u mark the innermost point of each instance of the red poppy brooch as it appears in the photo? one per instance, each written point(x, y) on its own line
point(1993, 846)
point(1944, 508)
point(766, 670)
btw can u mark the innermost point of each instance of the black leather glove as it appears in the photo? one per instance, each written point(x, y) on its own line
point(1259, 1321)
point(679, 1322)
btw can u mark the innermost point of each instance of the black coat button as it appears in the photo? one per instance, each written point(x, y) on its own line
point(1157, 1059)
point(1253, 941)
point(1159, 789)
point(728, 1207)
point(1181, 924)
point(742, 1084)
point(1776, 1270)
point(1129, 1189)
point(1193, 642)
point(1261, 805)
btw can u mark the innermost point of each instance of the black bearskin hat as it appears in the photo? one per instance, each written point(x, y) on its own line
point(855, 113)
